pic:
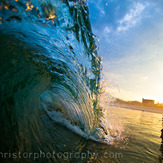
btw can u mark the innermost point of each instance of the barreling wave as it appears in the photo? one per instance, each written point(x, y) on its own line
point(50, 74)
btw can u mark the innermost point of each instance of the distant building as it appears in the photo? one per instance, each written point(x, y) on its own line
point(148, 102)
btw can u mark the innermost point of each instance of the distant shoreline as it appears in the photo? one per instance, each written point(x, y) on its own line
point(141, 108)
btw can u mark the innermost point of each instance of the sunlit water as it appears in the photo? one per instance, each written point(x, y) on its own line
point(140, 138)
point(142, 132)
point(50, 86)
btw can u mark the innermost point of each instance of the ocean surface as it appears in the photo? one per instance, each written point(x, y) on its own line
point(50, 82)
point(141, 135)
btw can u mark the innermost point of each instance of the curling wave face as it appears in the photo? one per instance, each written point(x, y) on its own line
point(50, 75)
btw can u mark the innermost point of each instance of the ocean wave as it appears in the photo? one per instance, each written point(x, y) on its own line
point(50, 75)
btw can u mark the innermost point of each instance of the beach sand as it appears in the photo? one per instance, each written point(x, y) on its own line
point(141, 108)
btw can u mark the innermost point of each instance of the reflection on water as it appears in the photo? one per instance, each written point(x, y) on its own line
point(142, 132)
point(140, 141)
point(50, 86)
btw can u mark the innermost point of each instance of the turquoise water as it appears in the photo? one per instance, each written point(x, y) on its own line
point(50, 79)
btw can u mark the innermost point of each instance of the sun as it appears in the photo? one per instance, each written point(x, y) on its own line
point(159, 100)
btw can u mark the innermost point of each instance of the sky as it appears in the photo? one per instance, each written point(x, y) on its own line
point(131, 45)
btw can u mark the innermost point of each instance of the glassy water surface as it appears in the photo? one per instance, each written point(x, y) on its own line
point(142, 132)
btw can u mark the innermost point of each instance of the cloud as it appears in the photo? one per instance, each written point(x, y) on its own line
point(105, 34)
point(131, 44)
point(131, 18)
point(99, 6)
point(106, 30)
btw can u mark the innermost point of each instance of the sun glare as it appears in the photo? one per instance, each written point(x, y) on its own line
point(159, 100)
